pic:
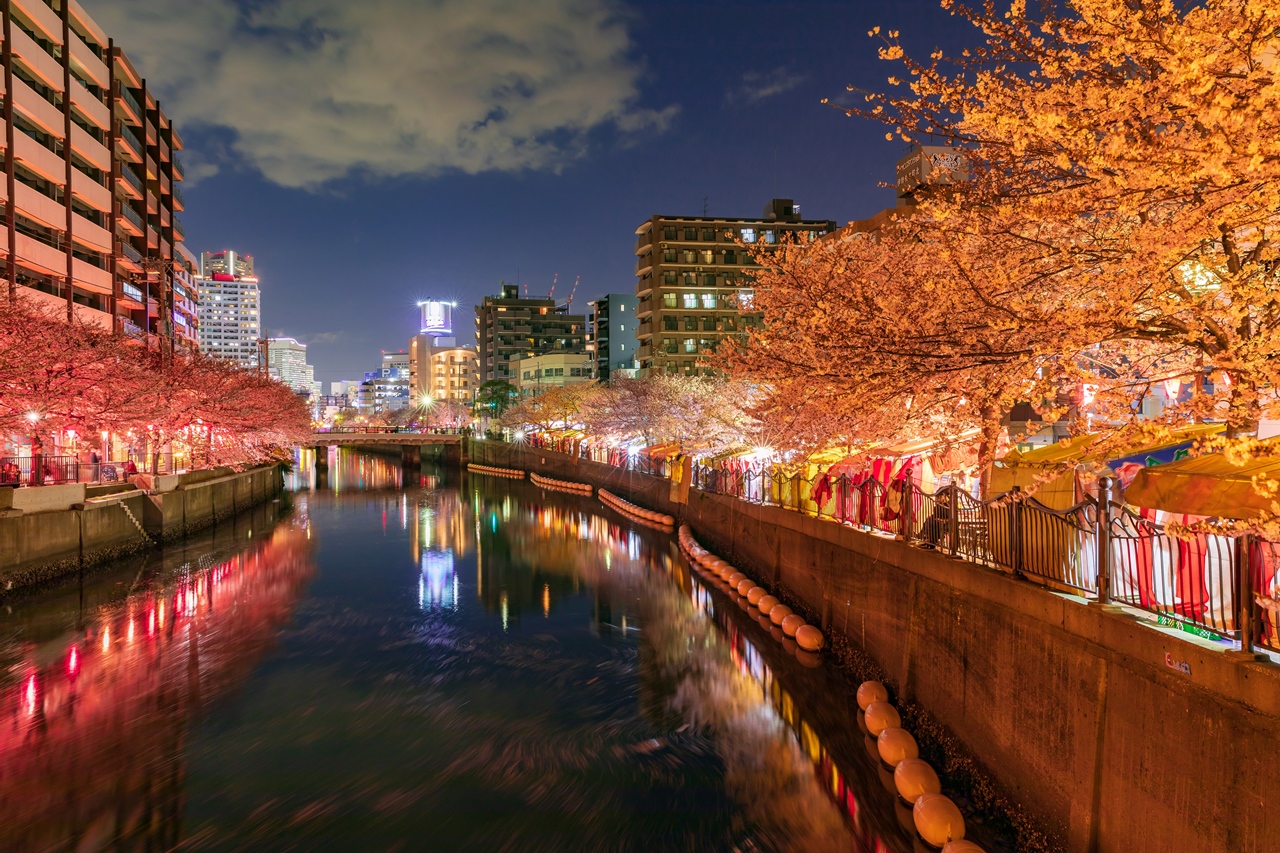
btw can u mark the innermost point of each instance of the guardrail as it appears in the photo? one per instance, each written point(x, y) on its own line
point(391, 430)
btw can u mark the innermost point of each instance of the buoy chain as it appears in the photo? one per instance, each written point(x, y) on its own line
point(659, 519)
point(795, 633)
point(497, 472)
point(564, 485)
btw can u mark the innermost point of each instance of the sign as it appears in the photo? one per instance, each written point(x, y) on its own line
point(437, 318)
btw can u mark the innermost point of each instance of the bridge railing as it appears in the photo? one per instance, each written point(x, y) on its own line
point(392, 430)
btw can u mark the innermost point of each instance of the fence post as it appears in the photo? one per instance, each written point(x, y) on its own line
point(1015, 530)
point(1104, 540)
point(953, 520)
point(1244, 594)
point(908, 509)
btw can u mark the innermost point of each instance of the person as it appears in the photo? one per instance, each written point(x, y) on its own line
point(130, 468)
point(94, 465)
point(10, 475)
point(935, 527)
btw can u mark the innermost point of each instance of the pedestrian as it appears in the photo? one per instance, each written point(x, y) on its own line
point(130, 468)
point(95, 465)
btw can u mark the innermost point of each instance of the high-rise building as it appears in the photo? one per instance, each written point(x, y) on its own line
point(386, 389)
point(287, 362)
point(694, 281)
point(508, 325)
point(230, 307)
point(612, 328)
point(226, 262)
point(92, 195)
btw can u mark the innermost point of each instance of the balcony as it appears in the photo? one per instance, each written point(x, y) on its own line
point(178, 230)
point(178, 171)
point(131, 104)
point(131, 220)
point(131, 253)
point(131, 329)
point(131, 178)
point(130, 139)
point(646, 329)
point(179, 203)
point(644, 241)
point(644, 263)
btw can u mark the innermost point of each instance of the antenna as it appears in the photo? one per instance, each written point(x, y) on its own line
point(704, 206)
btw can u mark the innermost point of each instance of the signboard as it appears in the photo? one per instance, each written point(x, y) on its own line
point(437, 318)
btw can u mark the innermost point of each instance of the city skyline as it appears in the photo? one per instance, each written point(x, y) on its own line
point(693, 115)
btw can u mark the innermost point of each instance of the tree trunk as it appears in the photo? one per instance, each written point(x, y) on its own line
point(987, 448)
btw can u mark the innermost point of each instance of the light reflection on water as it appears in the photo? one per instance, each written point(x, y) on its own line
point(461, 665)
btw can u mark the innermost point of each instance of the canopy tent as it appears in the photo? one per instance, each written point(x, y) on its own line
point(1051, 471)
point(1206, 486)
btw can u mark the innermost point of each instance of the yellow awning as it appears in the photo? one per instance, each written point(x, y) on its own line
point(1206, 485)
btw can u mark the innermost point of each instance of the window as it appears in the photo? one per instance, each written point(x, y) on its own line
point(669, 256)
point(690, 300)
point(670, 324)
point(669, 345)
point(669, 278)
point(748, 235)
point(708, 300)
point(669, 232)
point(730, 256)
point(672, 367)
point(691, 233)
point(768, 236)
point(689, 256)
point(575, 371)
point(706, 256)
point(708, 235)
point(709, 280)
point(690, 345)
point(691, 324)
point(689, 279)
point(668, 300)
point(708, 324)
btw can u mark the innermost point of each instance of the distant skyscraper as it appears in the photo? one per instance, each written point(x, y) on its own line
point(287, 361)
point(230, 307)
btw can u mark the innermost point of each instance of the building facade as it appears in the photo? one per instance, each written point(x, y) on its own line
point(612, 328)
point(230, 307)
point(508, 326)
point(91, 186)
point(387, 388)
point(441, 369)
point(694, 280)
point(287, 362)
point(538, 373)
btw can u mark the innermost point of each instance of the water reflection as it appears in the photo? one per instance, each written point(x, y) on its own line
point(473, 664)
point(94, 723)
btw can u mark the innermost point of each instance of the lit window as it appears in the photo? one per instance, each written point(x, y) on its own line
point(748, 235)
point(690, 300)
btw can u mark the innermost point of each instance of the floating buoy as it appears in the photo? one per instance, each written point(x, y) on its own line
point(809, 659)
point(766, 605)
point(937, 819)
point(736, 578)
point(668, 520)
point(962, 846)
point(778, 614)
point(913, 777)
point(755, 594)
point(792, 623)
point(871, 691)
point(879, 715)
point(809, 638)
point(896, 745)
point(745, 585)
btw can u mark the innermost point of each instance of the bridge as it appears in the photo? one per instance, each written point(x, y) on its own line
point(409, 442)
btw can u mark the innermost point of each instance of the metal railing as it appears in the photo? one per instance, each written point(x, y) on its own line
point(131, 253)
point(132, 215)
point(392, 430)
point(178, 229)
point(132, 177)
point(178, 169)
point(132, 138)
point(20, 470)
point(177, 194)
point(129, 99)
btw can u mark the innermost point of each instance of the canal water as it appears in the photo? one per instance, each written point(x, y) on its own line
point(454, 663)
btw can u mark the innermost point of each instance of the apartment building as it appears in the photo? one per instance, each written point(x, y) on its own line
point(538, 373)
point(612, 327)
point(442, 369)
point(230, 307)
point(694, 280)
point(91, 179)
point(508, 326)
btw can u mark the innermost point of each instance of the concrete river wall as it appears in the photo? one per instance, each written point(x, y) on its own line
point(1113, 734)
point(50, 531)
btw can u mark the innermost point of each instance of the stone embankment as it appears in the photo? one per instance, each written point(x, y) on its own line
point(1112, 734)
point(51, 531)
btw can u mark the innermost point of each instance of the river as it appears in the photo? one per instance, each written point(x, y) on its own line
point(456, 663)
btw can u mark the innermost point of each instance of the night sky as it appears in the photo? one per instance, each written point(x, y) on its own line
point(370, 154)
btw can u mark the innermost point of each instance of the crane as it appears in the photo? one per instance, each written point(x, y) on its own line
point(552, 293)
point(569, 304)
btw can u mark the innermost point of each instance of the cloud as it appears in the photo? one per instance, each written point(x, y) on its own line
point(314, 91)
point(324, 338)
point(757, 86)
